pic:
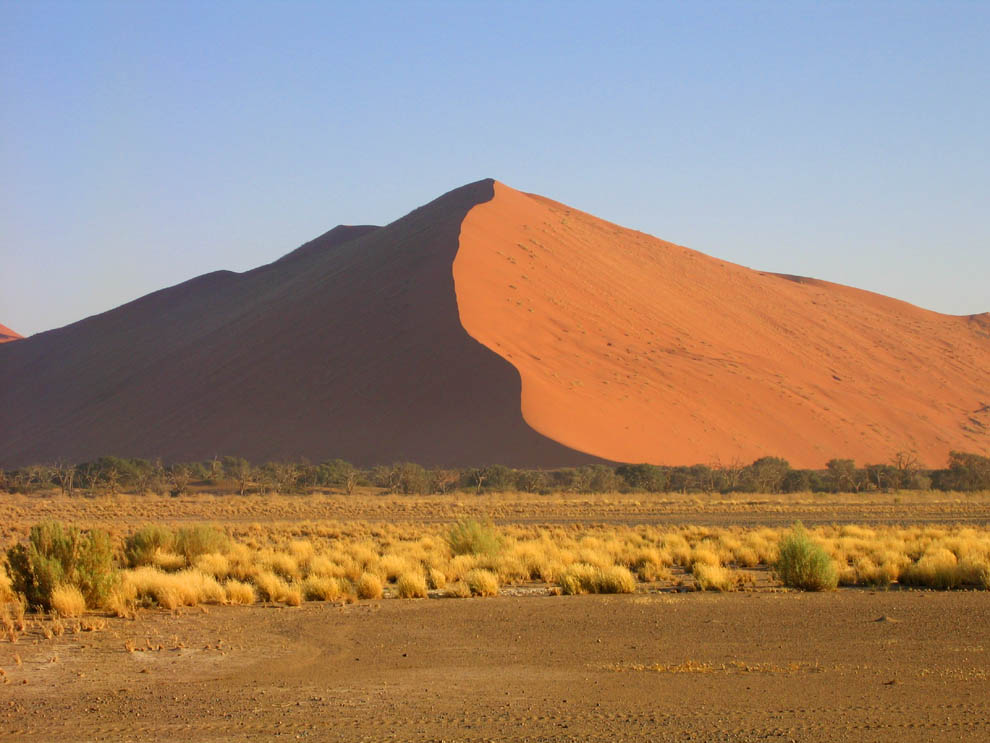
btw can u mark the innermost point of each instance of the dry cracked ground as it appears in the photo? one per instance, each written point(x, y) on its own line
point(854, 665)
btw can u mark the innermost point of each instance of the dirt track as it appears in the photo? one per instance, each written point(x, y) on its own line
point(735, 667)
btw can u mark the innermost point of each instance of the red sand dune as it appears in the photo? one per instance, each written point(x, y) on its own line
point(635, 349)
point(6, 334)
point(494, 326)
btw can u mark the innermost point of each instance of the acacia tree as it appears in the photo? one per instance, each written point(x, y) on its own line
point(907, 465)
point(441, 480)
point(179, 477)
point(63, 474)
point(767, 474)
point(240, 471)
point(842, 474)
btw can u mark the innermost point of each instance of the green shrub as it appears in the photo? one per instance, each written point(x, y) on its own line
point(58, 555)
point(470, 537)
point(804, 564)
point(193, 541)
point(140, 547)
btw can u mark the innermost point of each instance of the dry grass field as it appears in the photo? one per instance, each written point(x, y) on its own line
point(452, 618)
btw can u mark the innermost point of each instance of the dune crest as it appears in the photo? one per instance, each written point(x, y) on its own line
point(635, 349)
point(6, 334)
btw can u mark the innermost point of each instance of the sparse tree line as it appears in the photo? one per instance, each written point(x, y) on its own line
point(112, 475)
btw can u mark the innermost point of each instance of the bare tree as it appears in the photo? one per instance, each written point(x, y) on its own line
point(64, 474)
point(441, 480)
point(179, 478)
point(111, 476)
point(907, 465)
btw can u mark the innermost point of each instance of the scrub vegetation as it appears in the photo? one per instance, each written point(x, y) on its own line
point(66, 570)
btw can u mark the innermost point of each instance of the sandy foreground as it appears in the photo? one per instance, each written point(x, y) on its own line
point(854, 665)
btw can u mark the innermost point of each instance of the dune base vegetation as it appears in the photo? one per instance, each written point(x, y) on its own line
point(68, 570)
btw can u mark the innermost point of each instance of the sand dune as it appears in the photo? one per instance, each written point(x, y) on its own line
point(6, 334)
point(635, 349)
point(495, 326)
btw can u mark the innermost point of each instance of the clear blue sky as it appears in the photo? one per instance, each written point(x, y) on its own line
point(145, 143)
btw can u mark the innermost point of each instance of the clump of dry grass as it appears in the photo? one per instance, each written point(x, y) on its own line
point(482, 582)
point(6, 589)
point(302, 551)
point(704, 554)
point(938, 568)
point(436, 578)
point(168, 561)
point(279, 563)
point(458, 590)
point(584, 578)
point(68, 601)
point(123, 600)
point(213, 563)
point(650, 564)
point(411, 585)
point(369, 586)
point(171, 590)
point(714, 577)
point(321, 588)
point(240, 593)
point(272, 587)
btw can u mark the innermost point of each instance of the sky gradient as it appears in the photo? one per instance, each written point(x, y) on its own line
point(146, 143)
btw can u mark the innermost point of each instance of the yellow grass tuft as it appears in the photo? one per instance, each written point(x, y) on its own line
point(271, 587)
point(436, 578)
point(321, 588)
point(240, 593)
point(369, 586)
point(172, 590)
point(704, 555)
point(6, 589)
point(323, 565)
point(482, 582)
point(167, 560)
point(458, 590)
point(68, 601)
point(213, 563)
point(279, 563)
point(460, 565)
point(938, 568)
point(584, 578)
point(714, 577)
point(302, 551)
point(411, 585)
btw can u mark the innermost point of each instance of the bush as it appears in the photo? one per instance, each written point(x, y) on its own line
point(57, 555)
point(193, 541)
point(470, 537)
point(140, 547)
point(804, 564)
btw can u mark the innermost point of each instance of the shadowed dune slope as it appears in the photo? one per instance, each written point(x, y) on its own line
point(350, 346)
point(6, 334)
point(635, 349)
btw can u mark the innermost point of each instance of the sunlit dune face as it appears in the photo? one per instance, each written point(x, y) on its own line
point(635, 349)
